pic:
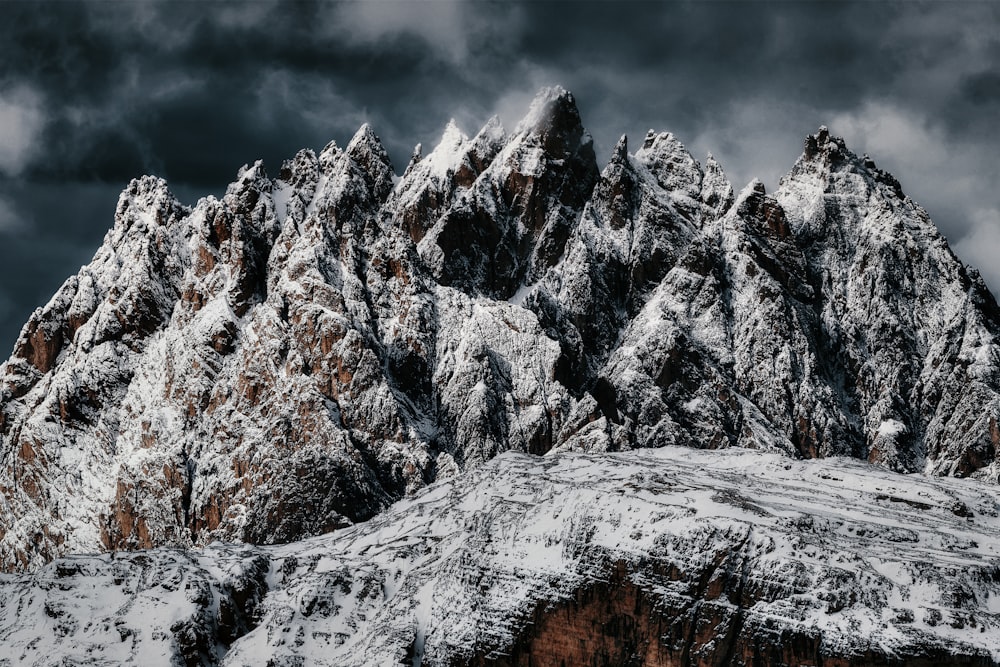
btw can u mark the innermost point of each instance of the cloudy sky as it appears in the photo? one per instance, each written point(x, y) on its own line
point(93, 94)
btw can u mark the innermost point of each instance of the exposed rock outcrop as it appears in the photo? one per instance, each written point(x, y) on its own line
point(297, 355)
point(667, 557)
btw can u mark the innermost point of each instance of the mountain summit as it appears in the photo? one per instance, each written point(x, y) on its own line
point(296, 356)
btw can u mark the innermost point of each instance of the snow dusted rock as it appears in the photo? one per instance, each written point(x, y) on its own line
point(512, 223)
point(656, 557)
point(643, 213)
point(430, 185)
point(909, 327)
point(830, 319)
point(297, 355)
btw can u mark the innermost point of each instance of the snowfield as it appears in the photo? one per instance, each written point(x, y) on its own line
point(861, 560)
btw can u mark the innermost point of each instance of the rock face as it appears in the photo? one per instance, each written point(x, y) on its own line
point(295, 356)
point(666, 557)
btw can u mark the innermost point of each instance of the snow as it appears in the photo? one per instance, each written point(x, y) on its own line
point(533, 162)
point(448, 153)
point(521, 295)
point(281, 195)
point(890, 428)
point(460, 564)
point(540, 108)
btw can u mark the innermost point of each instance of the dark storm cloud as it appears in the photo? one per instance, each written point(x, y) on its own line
point(184, 90)
point(93, 94)
point(982, 87)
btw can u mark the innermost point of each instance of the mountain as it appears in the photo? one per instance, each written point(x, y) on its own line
point(665, 557)
point(296, 356)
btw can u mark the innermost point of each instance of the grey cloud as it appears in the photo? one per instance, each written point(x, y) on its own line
point(981, 244)
point(982, 87)
point(21, 123)
point(456, 31)
point(11, 219)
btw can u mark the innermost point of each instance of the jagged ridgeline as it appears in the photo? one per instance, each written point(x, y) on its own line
point(297, 355)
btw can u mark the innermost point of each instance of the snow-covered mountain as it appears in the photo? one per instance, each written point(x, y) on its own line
point(652, 557)
point(298, 355)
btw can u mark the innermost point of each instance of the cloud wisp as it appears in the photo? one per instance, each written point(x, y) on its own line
point(21, 123)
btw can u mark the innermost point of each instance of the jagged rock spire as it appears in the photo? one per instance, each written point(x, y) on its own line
point(514, 222)
point(716, 190)
point(330, 340)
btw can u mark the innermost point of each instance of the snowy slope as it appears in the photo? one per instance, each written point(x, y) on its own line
point(669, 556)
point(294, 357)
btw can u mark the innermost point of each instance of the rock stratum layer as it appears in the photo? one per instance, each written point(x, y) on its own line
point(296, 356)
point(666, 557)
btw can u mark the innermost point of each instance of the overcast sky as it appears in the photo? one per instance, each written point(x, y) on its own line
point(92, 95)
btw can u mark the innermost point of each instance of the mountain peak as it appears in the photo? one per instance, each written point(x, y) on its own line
point(449, 151)
point(553, 110)
point(620, 152)
point(825, 146)
point(452, 134)
point(415, 157)
point(366, 142)
point(670, 162)
point(716, 190)
point(366, 150)
point(324, 340)
point(493, 128)
point(304, 352)
point(825, 155)
point(147, 201)
point(487, 143)
point(754, 191)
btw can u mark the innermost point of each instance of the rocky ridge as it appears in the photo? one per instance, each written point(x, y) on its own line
point(295, 356)
point(663, 557)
